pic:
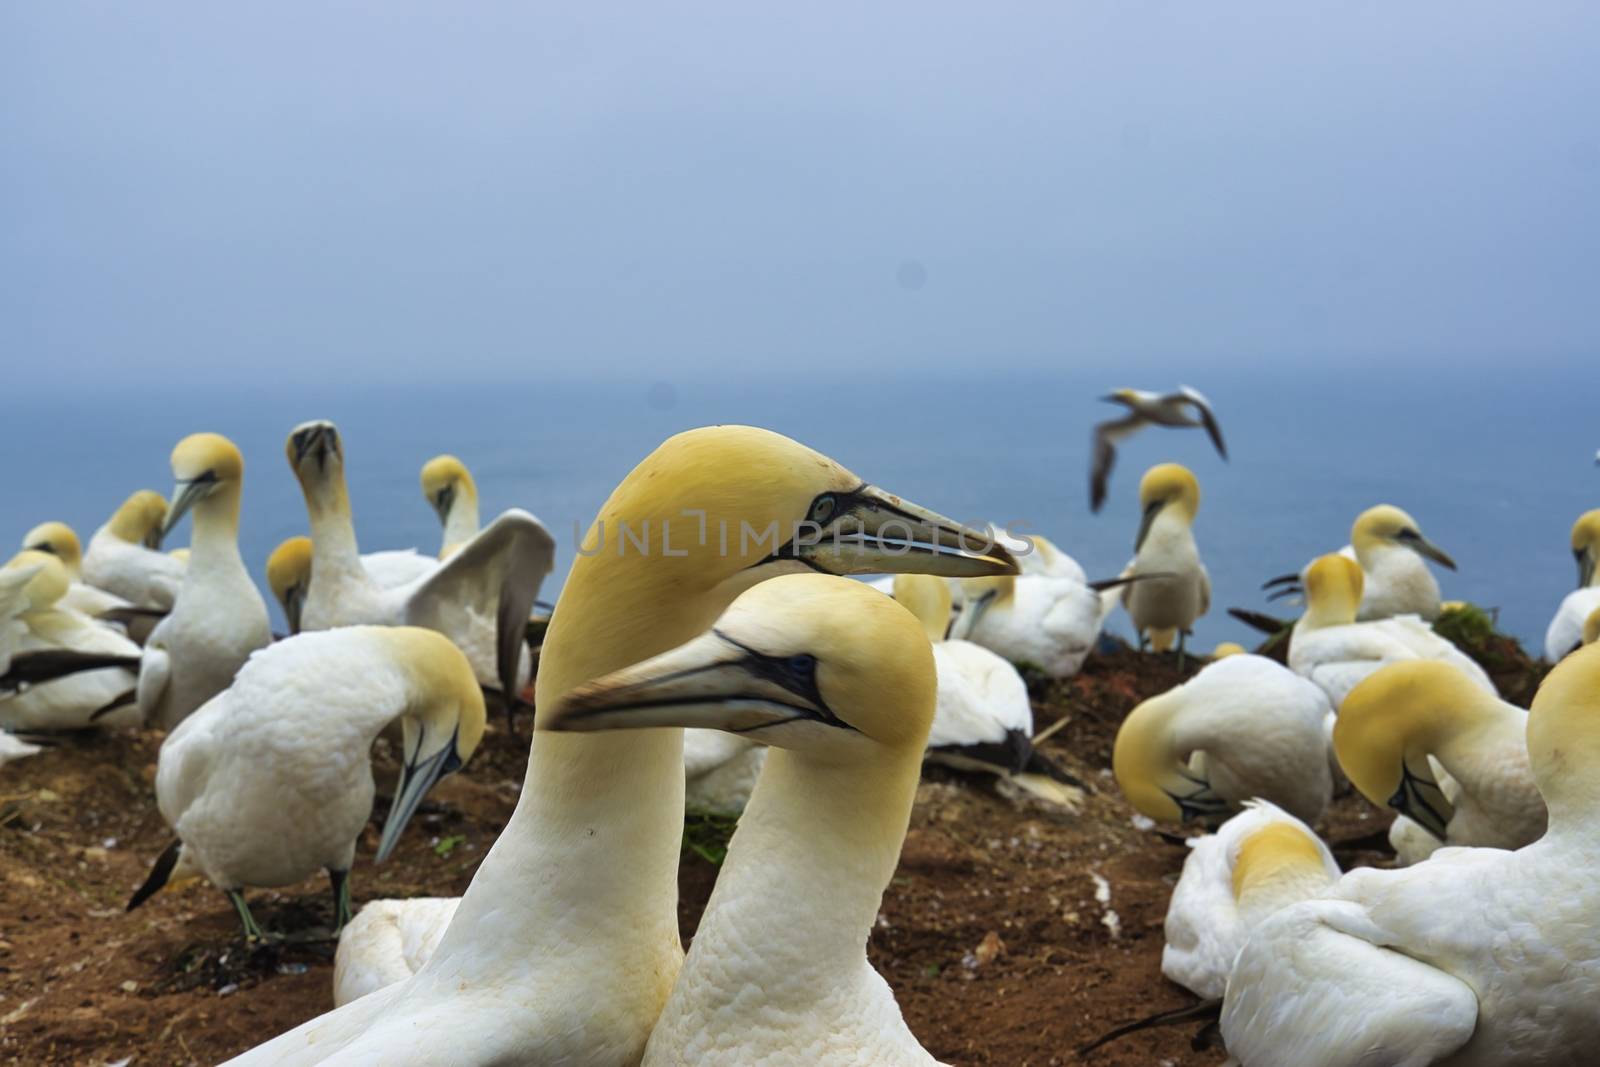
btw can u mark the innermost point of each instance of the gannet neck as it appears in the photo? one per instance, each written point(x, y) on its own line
point(216, 530)
point(1586, 548)
point(928, 598)
point(1147, 764)
point(1564, 744)
point(334, 550)
point(461, 522)
point(443, 695)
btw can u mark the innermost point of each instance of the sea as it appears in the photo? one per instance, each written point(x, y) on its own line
point(1495, 466)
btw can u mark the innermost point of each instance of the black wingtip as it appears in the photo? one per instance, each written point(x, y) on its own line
point(1039, 763)
point(1207, 1011)
point(158, 875)
point(1260, 621)
point(125, 700)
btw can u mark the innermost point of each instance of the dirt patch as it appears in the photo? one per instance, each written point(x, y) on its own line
point(1010, 934)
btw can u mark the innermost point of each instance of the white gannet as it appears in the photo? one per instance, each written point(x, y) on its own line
point(1477, 958)
point(1045, 559)
point(124, 557)
point(1244, 727)
point(1422, 738)
point(289, 576)
point(388, 941)
point(1045, 622)
point(1166, 607)
point(1257, 862)
point(480, 597)
point(566, 943)
point(840, 683)
point(1565, 632)
point(1186, 407)
point(64, 667)
point(272, 779)
point(1332, 649)
point(219, 617)
point(1391, 549)
point(61, 541)
point(448, 488)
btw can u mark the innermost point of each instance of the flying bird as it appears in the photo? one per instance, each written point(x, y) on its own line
point(1186, 407)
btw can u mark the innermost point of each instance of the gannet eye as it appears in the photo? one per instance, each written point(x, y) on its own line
point(804, 664)
point(822, 508)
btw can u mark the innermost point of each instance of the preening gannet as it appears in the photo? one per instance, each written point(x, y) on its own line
point(1391, 549)
point(566, 943)
point(124, 557)
point(1186, 407)
point(1164, 608)
point(1244, 727)
point(289, 576)
point(1566, 628)
point(388, 941)
point(1477, 958)
point(839, 682)
point(448, 488)
point(83, 666)
point(1336, 652)
point(1258, 861)
point(1046, 622)
point(59, 539)
point(1408, 722)
point(219, 617)
point(480, 597)
point(272, 780)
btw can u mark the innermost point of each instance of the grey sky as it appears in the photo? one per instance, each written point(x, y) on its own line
point(408, 190)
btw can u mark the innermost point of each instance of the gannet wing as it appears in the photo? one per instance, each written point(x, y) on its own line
point(155, 674)
point(1104, 454)
point(1205, 589)
point(1320, 984)
point(1208, 418)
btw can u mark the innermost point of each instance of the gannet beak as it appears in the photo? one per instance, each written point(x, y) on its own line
point(713, 682)
point(1423, 802)
point(183, 498)
point(868, 531)
point(416, 778)
point(317, 440)
point(968, 619)
point(1585, 558)
point(441, 502)
point(294, 601)
point(1426, 548)
point(1145, 522)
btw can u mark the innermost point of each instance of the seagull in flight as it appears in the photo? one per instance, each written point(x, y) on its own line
point(1186, 407)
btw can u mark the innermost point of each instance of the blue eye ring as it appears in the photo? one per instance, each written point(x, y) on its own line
point(802, 663)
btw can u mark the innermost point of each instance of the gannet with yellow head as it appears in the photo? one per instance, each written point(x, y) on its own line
point(448, 488)
point(1420, 737)
point(1260, 860)
point(1165, 608)
point(1332, 649)
point(1244, 727)
point(124, 555)
point(840, 682)
point(272, 780)
point(61, 541)
point(1186, 407)
point(1565, 632)
point(566, 943)
point(1391, 549)
point(219, 618)
point(480, 597)
point(289, 576)
point(1477, 958)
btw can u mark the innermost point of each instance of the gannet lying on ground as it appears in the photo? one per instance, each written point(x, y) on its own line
point(1566, 628)
point(1186, 407)
point(1390, 547)
point(1045, 622)
point(566, 943)
point(1477, 958)
point(448, 487)
point(1258, 861)
point(387, 942)
point(1244, 727)
point(272, 780)
point(840, 682)
point(1336, 652)
point(1164, 608)
point(219, 617)
point(480, 597)
point(58, 539)
point(124, 556)
point(1422, 738)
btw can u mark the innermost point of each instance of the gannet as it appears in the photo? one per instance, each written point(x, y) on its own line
point(1333, 650)
point(1257, 862)
point(448, 488)
point(88, 667)
point(219, 617)
point(1186, 407)
point(1566, 627)
point(479, 598)
point(1047, 560)
point(388, 941)
point(1243, 727)
point(1422, 738)
point(59, 539)
point(124, 557)
point(1477, 958)
point(1391, 549)
point(272, 779)
point(289, 576)
point(1048, 623)
point(1164, 608)
point(566, 943)
point(840, 682)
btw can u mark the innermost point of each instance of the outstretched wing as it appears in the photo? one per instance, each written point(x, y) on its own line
point(1104, 454)
point(1208, 418)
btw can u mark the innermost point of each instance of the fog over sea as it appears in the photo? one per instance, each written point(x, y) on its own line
point(1494, 467)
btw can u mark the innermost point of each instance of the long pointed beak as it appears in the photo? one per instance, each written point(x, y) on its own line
point(878, 533)
point(1146, 521)
point(1424, 547)
point(1282, 579)
point(294, 602)
point(1421, 800)
point(711, 683)
point(441, 503)
point(416, 778)
point(972, 611)
point(183, 498)
point(1586, 563)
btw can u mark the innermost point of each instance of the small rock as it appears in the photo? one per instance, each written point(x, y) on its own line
point(291, 968)
point(228, 990)
point(130, 987)
point(989, 949)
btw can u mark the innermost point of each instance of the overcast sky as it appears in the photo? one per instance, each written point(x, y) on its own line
point(196, 192)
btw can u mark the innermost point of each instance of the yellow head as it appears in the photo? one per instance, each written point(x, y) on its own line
point(138, 521)
point(207, 467)
point(1265, 856)
point(1586, 547)
point(1388, 525)
point(57, 539)
point(1333, 585)
point(928, 598)
point(1164, 487)
point(316, 456)
point(1228, 648)
point(49, 582)
point(289, 577)
point(443, 479)
point(1564, 739)
point(1152, 769)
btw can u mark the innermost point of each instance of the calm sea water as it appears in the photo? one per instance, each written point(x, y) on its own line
point(1495, 470)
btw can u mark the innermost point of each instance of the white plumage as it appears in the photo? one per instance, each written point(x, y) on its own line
point(1047, 622)
point(388, 941)
point(1338, 658)
point(122, 557)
